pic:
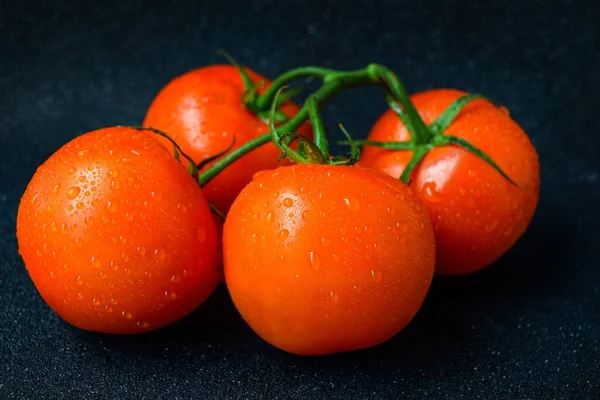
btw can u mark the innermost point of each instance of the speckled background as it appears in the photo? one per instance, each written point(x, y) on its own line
point(526, 328)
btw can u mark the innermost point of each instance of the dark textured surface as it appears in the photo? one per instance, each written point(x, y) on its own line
point(526, 328)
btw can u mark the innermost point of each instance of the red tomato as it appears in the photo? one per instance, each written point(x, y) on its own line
point(116, 236)
point(477, 214)
point(202, 111)
point(323, 259)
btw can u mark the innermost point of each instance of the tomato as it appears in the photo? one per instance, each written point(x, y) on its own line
point(477, 214)
point(202, 111)
point(323, 259)
point(115, 235)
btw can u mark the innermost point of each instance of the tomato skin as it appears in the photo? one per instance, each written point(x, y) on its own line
point(477, 214)
point(325, 259)
point(115, 235)
point(202, 111)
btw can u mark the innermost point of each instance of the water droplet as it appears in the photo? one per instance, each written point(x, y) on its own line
point(90, 167)
point(256, 216)
point(112, 206)
point(404, 228)
point(70, 207)
point(90, 221)
point(79, 281)
point(352, 203)
point(80, 205)
point(275, 195)
point(82, 178)
point(334, 296)
point(95, 202)
point(170, 294)
point(270, 217)
point(114, 302)
point(306, 215)
point(175, 278)
point(79, 296)
point(108, 308)
point(64, 229)
point(95, 261)
point(115, 185)
point(430, 193)
point(126, 314)
point(287, 202)
point(376, 276)
point(141, 250)
point(314, 261)
point(489, 228)
point(102, 274)
point(95, 301)
point(160, 254)
point(71, 171)
point(124, 257)
point(391, 211)
point(201, 234)
point(358, 288)
point(182, 208)
point(56, 187)
point(53, 226)
point(291, 215)
point(336, 258)
point(142, 324)
point(283, 234)
point(114, 266)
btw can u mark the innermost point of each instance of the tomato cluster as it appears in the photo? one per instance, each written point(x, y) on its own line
point(321, 254)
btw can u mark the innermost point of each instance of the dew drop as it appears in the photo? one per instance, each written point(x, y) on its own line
point(489, 228)
point(56, 188)
point(306, 215)
point(201, 234)
point(283, 234)
point(90, 167)
point(90, 221)
point(358, 288)
point(71, 171)
point(115, 185)
point(113, 173)
point(102, 274)
point(108, 308)
point(79, 296)
point(70, 207)
point(114, 302)
point(160, 254)
point(287, 202)
point(124, 257)
point(170, 294)
point(336, 258)
point(141, 250)
point(142, 324)
point(391, 211)
point(314, 261)
point(126, 314)
point(430, 193)
point(95, 202)
point(352, 203)
point(334, 296)
point(256, 216)
point(114, 266)
point(376, 275)
point(80, 205)
point(95, 301)
point(78, 242)
point(79, 281)
point(175, 278)
point(95, 261)
point(112, 206)
point(270, 217)
point(64, 229)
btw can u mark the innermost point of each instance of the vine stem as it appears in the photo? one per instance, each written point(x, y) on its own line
point(333, 82)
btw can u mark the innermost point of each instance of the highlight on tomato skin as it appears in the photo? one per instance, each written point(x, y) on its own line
point(203, 111)
point(322, 259)
point(116, 236)
point(477, 214)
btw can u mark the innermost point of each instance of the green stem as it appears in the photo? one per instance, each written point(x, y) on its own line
point(320, 137)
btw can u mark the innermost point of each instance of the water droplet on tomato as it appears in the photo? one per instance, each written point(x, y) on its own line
point(71, 171)
point(160, 254)
point(170, 294)
point(95, 261)
point(430, 193)
point(376, 275)
point(358, 288)
point(490, 227)
point(82, 178)
point(142, 324)
point(108, 308)
point(112, 206)
point(79, 281)
point(275, 195)
point(95, 202)
point(201, 234)
point(102, 274)
point(114, 302)
point(80, 205)
point(53, 226)
point(115, 185)
point(79, 296)
point(334, 296)
point(124, 257)
point(56, 188)
point(287, 202)
point(95, 301)
point(314, 261)
point(114, 266)
point(283, 234)
point(175, 278)
point(90, 221)
point(256, 216)
point(64, 229)
point(126, 314)
point(141, 250)
point(270, 217)
point(352, 203)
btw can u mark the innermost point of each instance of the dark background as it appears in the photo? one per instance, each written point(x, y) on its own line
point(526, 328)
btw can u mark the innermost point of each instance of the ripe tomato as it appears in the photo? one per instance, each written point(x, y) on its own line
point(115, 235)
point(323, 259)
point(477, 214)
point(202, 111)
